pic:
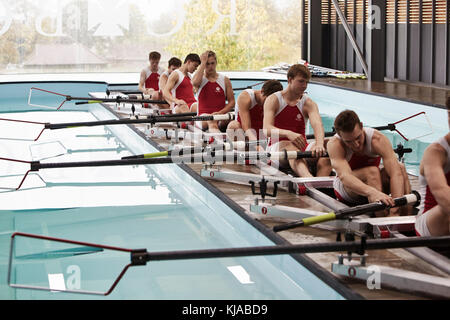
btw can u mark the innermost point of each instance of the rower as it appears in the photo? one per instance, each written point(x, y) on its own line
point(433, 218)
point(178, 90)
point(249, 110)
point(214, 92)
point(355, 153)
point(149, 78)
point(174, 63)
point(285, 115)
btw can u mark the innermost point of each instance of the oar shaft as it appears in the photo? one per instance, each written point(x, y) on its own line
point(36, 166)
point(150, 119)
point(117, 100)
point(139, 257)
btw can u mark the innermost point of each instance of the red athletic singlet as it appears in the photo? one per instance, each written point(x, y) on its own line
point(290, 117)
point(211, 95)
point(183, 89)
point(152, 78)
point(256, 113)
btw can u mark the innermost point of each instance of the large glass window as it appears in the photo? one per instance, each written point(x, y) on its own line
point(117, 35)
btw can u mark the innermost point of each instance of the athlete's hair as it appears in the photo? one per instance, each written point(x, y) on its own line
point(212, 54)
point(271, 86)
point(174, 61)
point(299, 69)
point(192, 57)
point(154, 55)
point(346, 121)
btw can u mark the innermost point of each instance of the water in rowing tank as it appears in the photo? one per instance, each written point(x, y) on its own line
point(158, 207)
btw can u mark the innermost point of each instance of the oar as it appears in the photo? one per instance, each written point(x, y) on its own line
point(209, 157)
point(146, 119)
point(389, 126)
point(225, 146)
point(413, 198)
point(83, 100)
point(177, 117)
point(140, 257)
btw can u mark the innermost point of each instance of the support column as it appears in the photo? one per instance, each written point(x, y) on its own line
point(315, 32)
point(376, 53)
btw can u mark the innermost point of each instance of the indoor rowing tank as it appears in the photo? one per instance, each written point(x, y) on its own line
point(159, 207)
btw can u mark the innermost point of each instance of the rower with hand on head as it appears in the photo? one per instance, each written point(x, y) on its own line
point(149, 78)
point(214, 92)
point(286, 113)
point(355, 153)
point(433, 218)
point(178, 90)
point(249, 111)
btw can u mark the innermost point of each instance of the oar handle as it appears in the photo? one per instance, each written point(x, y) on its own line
point(413, 198)
point(390, 126)
point(282, 155)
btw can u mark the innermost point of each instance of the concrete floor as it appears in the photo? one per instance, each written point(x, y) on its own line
point(421, 93)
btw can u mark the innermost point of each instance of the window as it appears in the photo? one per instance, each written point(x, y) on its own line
point(117, 35)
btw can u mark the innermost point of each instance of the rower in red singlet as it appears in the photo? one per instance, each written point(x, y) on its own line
point(214, 92)
point(434, 212)
point(179, 91)
point(149, 79)
point(174, 63)
point(249, 110)
point(355, 153)
point(285, 115)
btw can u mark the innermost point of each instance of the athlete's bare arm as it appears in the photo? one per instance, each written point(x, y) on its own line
point(142, 79)
point(383, 147)
point(351, 182)
point(230, 97)
point(173, 79)
point(433, 162)
point(244, 101)
point(198, 75)
point(162, 81)
point(311, 111)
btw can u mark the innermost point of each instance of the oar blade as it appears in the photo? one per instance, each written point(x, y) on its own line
point(50, 266)
point(414, 127)
point(12, 173)
point(47, 150)
point(46, 99)
point(13, 129)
